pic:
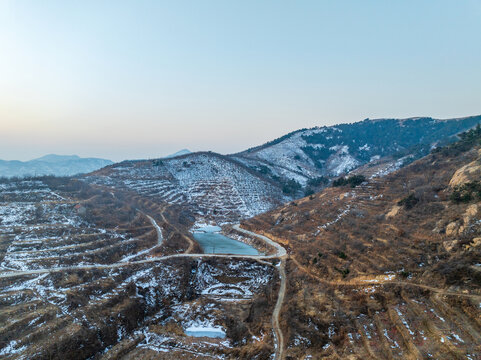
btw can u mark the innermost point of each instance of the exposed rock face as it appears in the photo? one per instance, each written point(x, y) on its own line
point(474, 244)
point(393, 212)
point(458, 227)
point(470, 213)
point(467, 173)
point(453, 228)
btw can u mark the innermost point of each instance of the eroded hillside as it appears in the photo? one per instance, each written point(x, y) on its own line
point(389, 269)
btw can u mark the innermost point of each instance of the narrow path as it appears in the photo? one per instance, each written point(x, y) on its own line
point(122, 264)
point(160, 238)
point(278, 336)
point(281, 252)
point(365, 283)
point(189, 240)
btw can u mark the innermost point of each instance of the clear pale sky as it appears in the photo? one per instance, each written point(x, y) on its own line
point(141, 79)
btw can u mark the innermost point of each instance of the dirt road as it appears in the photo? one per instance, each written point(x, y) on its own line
point(280, 254)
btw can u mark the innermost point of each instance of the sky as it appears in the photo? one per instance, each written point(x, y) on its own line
point(142, 79)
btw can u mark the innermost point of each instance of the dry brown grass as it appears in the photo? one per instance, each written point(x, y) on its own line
point(350, 275)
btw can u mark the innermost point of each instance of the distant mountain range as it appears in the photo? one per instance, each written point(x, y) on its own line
point(178, 153)
point(58, 165)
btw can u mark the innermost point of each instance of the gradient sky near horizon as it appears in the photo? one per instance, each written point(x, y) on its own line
point(142, 79)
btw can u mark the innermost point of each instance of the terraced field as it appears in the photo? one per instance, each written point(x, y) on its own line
point(93, 273)
point(212, 186)
point(41, 229)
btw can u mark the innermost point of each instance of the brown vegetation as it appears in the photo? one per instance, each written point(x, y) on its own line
point(386, 270)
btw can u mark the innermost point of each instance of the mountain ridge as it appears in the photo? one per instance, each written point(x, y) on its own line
point(51, 164)
point(213, 186)
point(308, 153)
point(178, 153)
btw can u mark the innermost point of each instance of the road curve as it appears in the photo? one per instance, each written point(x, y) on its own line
point(281, 252)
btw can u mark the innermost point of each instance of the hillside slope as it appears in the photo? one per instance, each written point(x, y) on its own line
point(334, 150)
point(389, 269)
point(213, 186)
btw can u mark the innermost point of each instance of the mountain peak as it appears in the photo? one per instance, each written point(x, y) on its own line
point(178, 153)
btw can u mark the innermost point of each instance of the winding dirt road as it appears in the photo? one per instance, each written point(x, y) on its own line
point(279, 254)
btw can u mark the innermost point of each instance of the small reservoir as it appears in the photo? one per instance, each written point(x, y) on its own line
point(205, 331)
point(212, 242)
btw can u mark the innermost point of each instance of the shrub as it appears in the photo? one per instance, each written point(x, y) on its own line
point(343, 272)
point(291, 187)
point(353, 181)
point(318, 181)
point(408, 202)
point(263, 170)
point(339, 182)
point(309, 191)
point(466, 192)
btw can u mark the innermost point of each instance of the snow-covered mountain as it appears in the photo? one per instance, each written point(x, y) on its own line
point(213, 186)
point(228, 188)
point(332, 151)
point(58, 165)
